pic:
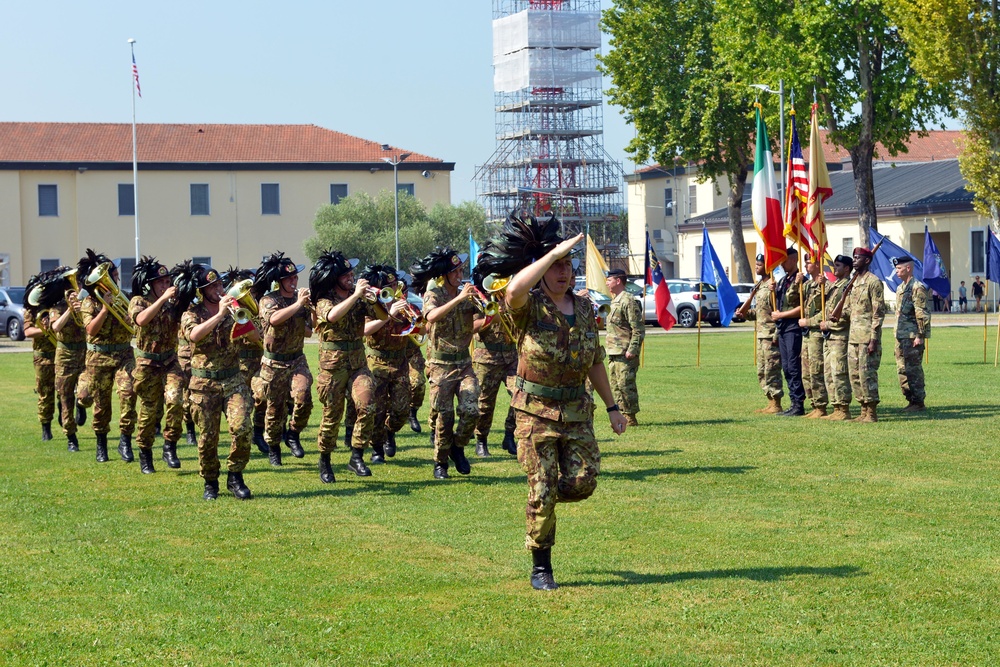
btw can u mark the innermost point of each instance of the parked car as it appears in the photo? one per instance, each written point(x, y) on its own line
point(12, 311)
point(688, 301)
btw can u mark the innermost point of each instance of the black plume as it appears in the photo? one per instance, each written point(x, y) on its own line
point(234, 274)
point(434, 265)
point(185, 277)
point(521, 241)
point(379, 275)
point(267, 274)
point(53, 287)
point(324, 274)
point(88, 263)
point(145, 272)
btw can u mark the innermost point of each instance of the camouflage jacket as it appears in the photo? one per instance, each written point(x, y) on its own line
point(184, 347)
point(159, 336)
point(412, 349)
point(763, 306)
point(340, 342)
point(912, 317)
point(217, 352)
point(867, 309)
point(556, 357)
point(812, 295)
point(71, 333)
point(840, 328)
point(386, 346)
point(626, 326)
point(289, 336)
point(451, 335)
point(41, 345)
point(112, 332)
point(493, 347)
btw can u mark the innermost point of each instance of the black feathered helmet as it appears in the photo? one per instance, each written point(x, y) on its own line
point(191, 279)
point(234, 274)
point(325, 273)
point(53, 288)
point(440, 262)
point(380, 275)
point(89, 262)
point(272, 270)
point(146, 272)
point(522, 240)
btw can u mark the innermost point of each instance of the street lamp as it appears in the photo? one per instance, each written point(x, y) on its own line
point(780, 92)
point(395, 189)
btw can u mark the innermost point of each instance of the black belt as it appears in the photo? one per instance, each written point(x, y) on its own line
point(223, 374)
point(555, 393)
point(108, 349)
point(388, 355)
point(282, 357)
point(342, 345)
point(448, 356)
point(496, 347)
point(250, 354)
point(156, 356)
point(76, 347)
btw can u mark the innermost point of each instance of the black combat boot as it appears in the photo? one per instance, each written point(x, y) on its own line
point(541, 572)
point(441, 470)
point(462, 465)
point(292, 440)
point(794, 410)
point(414, 422)
point(390, 445)
point(482, 450)
point(357, 463)
point(72, 444)
point(348, 435)
point(509, 443)
point(146, 461)
point(378, 453)
point(158, 432)
point(102, 447)
point(211, 489)
point(258, 439)
point(192, 437)
point(59, 414)
point(325, 470)
point(46, 431)
point(170, 454)
point(234, 482)
point(274, 455)
point(81, 415)
point(125, 448)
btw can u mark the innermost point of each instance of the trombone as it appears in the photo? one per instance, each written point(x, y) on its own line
point(34, 300)
point(107, 292)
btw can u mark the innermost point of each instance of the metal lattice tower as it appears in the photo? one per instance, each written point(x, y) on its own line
point(549, 119)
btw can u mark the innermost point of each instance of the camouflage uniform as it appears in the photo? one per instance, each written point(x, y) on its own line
point(835, 371)
point(867, 311)
point(217, 388)
point(768, 353)
point(184, 351)
point(417, 375)
point(449, 372)
point(626, 328)
point(555, 414)
point(44, 356)
point(343, 369)
point(72, 380)
point(814, 345)
point(109, 361)
point(494, 361)
point(284, 371)
point(912, 320)
point(251, 353)
point(158, 379)
point(390, 374)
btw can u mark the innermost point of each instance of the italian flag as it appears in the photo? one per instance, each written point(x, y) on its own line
point(764, 201)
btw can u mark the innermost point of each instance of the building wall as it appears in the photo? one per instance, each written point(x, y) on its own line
point(235, 231)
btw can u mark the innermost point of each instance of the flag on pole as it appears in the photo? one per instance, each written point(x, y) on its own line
point(666, 311)
point(712, 273)
point(993, 258)
point(764, 200)
point(796, 194)
point(473, 252)
point(934, 274)
point(820, 187)
point(881, 264)
point(135, 75)
point(597, 269)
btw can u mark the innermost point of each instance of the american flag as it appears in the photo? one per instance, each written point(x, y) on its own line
point(797, 194)
point(135, 75)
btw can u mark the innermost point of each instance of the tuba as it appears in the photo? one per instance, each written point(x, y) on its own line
point(107, 292)
point(246, 309)
point(34, 300)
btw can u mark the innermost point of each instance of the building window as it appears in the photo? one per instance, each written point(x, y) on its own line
point(207, 261)
point(126, 266)
point(199, 199)
point(270, 203)
point(697, 258)
point(668, 201)
point(49, 265)
point(337, 192)
point(126, 199)
point(977, 252)
point(848, 247)
point(692, 199)
point(48, 201)
point(405, 187)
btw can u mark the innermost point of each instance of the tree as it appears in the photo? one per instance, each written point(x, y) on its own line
point(685, 104)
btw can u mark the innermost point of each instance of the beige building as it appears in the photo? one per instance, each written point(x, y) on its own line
point(226, 194)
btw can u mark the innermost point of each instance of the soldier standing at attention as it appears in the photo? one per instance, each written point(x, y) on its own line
point(72, 384)
point(913, 327)
point(158, 379)
point(450, 314)
point(864, 349)
point(812, 338)
point(217, 386)
point(768, 355)
point(836, 332)
point(786, 317)
point(284, 372)
point(626, 328)
point(43, 352)
point(110, 361)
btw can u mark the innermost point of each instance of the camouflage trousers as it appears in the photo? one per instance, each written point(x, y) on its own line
point(621, 374)
point(250, 370)
point(72, 386)
point(835, 372)
point(451, 383)
point(812, 369)
point(392, 387)
point(279, 382)
point(490, 377)
point(769, 368)
point(863, 368)
point(909, 367)
point(333, 387)
point(418, 381)
point(160, 390)
point(45, 387)
point(102, 379)
point(207, 409)
point(185, 364)
point(562, 462)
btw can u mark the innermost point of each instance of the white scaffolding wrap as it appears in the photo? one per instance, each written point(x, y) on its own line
point(545, 49)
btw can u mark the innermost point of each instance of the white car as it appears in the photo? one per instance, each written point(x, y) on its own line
point(688, 300)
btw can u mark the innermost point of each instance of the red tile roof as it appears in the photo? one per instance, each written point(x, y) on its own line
point(189, 143)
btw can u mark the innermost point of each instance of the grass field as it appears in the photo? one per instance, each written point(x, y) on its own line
point(716, 537)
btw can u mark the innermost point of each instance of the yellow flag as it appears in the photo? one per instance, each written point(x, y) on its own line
point(597, 269)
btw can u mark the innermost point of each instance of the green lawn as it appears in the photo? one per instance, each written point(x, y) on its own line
point(716, 536)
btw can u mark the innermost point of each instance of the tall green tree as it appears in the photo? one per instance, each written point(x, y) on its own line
point(686, 105)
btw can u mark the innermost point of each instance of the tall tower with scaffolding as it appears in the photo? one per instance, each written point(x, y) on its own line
point(550, 154)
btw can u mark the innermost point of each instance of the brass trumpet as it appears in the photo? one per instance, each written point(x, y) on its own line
point(496, 287)
point(70, 275)
point(245, 311)
point(383, 296)
point(34, 299)
point(494, 283)
point(100, 279)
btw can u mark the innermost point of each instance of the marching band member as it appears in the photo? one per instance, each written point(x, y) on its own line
point(72, 381)
point(37, 327)
point(251, 353)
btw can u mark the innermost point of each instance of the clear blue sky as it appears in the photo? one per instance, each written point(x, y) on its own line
point(417, 75)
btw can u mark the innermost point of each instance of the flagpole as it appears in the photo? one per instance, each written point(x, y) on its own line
point(986, 325)
point(135, 155)
point(700, 298)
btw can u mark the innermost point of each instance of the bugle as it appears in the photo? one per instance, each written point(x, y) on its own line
point(107, 292)
point(70, 275)
point(245, 310)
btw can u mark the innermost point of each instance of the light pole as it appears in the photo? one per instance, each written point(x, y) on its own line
point(780, 92)
point(395, 190)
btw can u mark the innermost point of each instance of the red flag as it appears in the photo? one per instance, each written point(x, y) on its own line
point(666, 311)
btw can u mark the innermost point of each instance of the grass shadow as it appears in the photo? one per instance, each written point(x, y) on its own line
point(643, 452)
point(764, 574)
point(693, 422)
point(944, 412)
point(640, 475)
